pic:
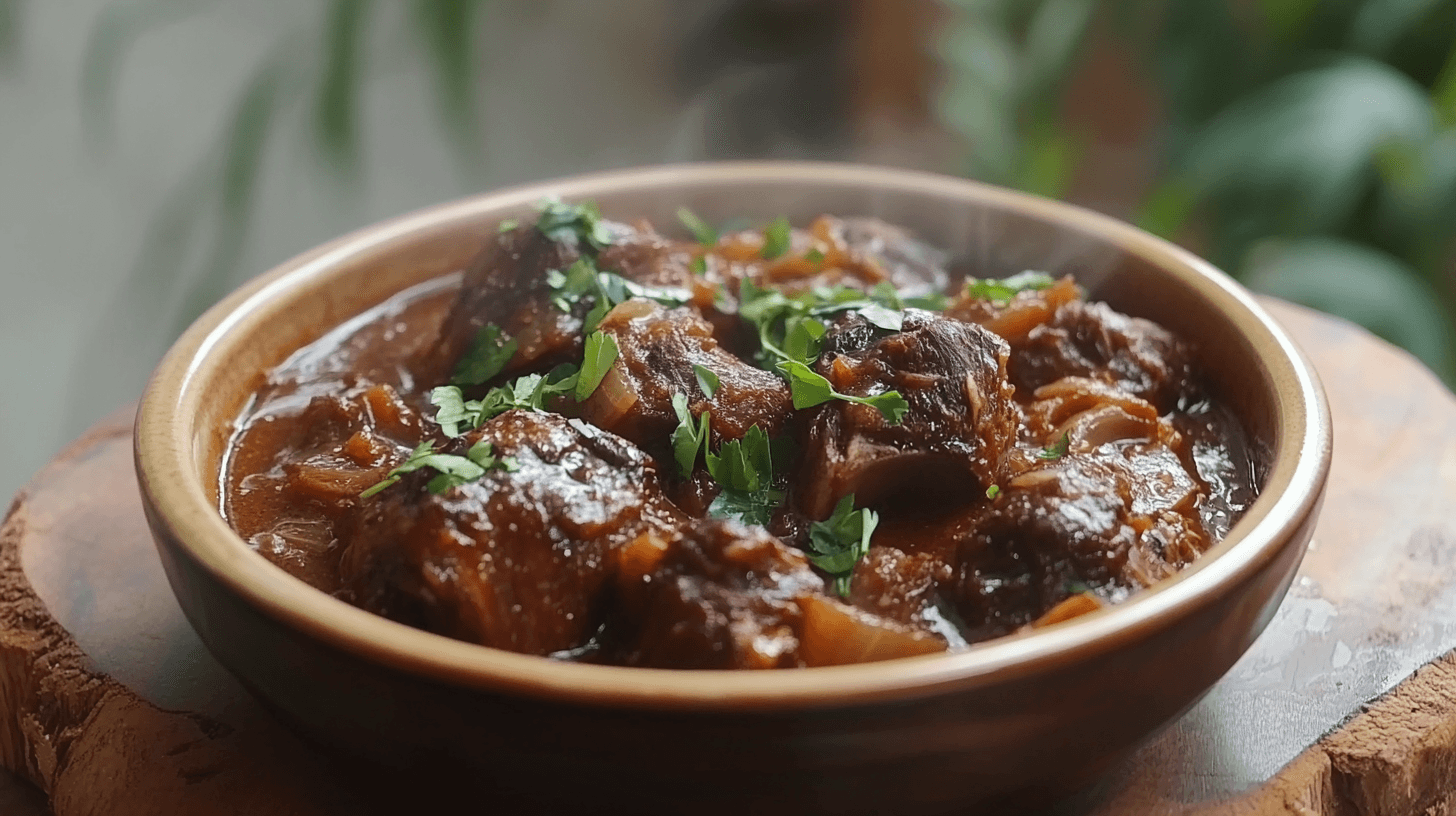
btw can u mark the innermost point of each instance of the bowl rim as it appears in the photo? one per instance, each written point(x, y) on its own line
point(1298, 467)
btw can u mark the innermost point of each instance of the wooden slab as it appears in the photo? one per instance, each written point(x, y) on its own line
point(117, 708)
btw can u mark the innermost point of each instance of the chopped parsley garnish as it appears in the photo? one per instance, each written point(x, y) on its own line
point(810, 389)
point(776, 239)
point(814, 256)
point(488, 354)
point(802, 341)
point(1001, 292)
point(707, 380)
point(574, 223)
point(993, 491)
point(583, 281)
point(698, 265)
point(701, 231)
point(689, 437)
point(601, 352)
point(532, 392)
point(887, 319)
point(507, 225)
point(744, 468)
point(1057, 449)
point(839, 542)
point(452, 471)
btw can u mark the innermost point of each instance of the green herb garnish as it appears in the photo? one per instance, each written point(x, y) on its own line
point(453, 471)
point(698, 265)
point(744, 468)
point(810, 389)
point(993, 491)
point(701, 231)
point(707, 380)
point(507, 225)
point(574, 223)
point(689, 437)
point(582, 281)
point(601, 352)
point(814, 256)
point(531, 392)
point(489, 353)
point(838, 543)
point(1057, 449)
point(776, 239)
point(1001, 292)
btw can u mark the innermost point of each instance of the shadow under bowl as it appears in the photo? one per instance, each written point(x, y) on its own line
point(1040, 712)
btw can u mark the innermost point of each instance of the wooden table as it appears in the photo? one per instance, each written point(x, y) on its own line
point(1346, 704)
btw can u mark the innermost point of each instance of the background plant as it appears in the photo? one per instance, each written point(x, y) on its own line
point(1307, 147)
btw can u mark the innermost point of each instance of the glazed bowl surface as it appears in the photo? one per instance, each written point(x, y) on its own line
point(1041, 712)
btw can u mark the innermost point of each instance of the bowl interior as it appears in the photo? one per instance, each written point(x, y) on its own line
point(1247, 362)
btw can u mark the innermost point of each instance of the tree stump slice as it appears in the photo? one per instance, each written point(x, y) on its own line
point(1346, 704)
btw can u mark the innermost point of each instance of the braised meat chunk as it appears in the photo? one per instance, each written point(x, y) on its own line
point(719, 595)
point(520, 557)
point(658, 350)
point(958, 427)
point(1115, 519)
point(1091, 340)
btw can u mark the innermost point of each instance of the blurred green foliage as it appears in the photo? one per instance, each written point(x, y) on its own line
point(1308, 147)
point(196, 237)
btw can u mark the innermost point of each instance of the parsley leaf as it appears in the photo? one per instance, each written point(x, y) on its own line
point(453, 471)
point(699, 265)
point(809, 389)
point(746, 508)
point(453, 409)
point(814, 256)
point(689, 437)
point(776, 239)
point(707, 380)
point(1057, 449)
point(803, 339)
point(1001, 292)
point(993, 491)
point(702, 232)
point(745, 470)
point(839, 542)
point(887, 319)
point(932, 302)
point(601, 352)
point(573, 223)
point(582, 281)
point(488, 354)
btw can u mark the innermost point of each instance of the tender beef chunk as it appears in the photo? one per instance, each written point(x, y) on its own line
point(657, 349)
point(952, 440)
point(1091, 340)
point(518, 559)
point(720, 596)
point(506, 286)
point(905, 586)
point(1115, 519)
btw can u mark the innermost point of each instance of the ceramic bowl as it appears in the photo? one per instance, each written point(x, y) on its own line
point(1040, 712)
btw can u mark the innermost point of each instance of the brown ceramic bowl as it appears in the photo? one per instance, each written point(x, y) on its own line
point(1041, 712)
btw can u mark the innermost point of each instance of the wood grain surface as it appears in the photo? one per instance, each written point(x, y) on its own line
point(1346, 705)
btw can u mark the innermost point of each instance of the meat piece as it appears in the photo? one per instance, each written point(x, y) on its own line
point(905, 586)
point(1115, 519)
point(518, 559)
point(951, 442)
point(721, 596)
point(657, 349)
point(506, 286)
point(1093, 341)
